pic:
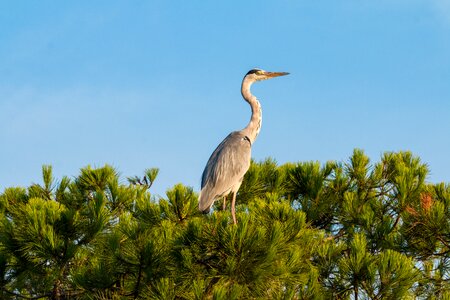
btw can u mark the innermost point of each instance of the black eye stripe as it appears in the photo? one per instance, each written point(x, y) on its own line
point(252, 71)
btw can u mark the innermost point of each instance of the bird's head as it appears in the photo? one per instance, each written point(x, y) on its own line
point(258, 75)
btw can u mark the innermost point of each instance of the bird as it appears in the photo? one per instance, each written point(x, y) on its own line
point(230, 161)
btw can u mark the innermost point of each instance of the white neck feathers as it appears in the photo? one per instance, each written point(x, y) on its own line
point(254, 126)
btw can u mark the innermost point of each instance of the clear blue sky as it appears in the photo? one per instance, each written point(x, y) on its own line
point(140, 84)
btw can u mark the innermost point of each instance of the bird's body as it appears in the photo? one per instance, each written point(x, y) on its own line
point(225, 169)
point(230, 161)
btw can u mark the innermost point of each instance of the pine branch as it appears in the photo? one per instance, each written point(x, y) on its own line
point(396, 221)
point(27, 297)
point(47, 295)
point(446, 244)
point(138, 282)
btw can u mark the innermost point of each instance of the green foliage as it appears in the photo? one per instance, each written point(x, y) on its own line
point(351, 230)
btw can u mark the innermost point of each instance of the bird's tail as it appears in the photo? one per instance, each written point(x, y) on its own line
point(205, 200)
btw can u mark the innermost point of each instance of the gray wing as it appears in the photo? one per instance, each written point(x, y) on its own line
point(225, 168)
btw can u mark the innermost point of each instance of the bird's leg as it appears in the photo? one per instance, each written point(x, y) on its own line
point(233, 210)
point(224, 203)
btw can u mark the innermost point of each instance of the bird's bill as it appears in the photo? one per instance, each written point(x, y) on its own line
point(275, 74)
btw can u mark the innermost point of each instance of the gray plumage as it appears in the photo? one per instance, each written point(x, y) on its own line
point(230, 161)
point(225, 169)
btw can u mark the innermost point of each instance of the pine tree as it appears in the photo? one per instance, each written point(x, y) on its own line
point(341, 230)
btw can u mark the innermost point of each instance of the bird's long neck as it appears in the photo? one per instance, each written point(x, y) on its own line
point(254, 126)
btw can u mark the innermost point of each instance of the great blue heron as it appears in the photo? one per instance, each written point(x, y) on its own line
point(230, 161)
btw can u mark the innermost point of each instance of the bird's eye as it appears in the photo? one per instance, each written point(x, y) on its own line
point(259, 72)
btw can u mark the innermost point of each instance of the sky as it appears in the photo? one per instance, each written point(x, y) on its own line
point(141, 84)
